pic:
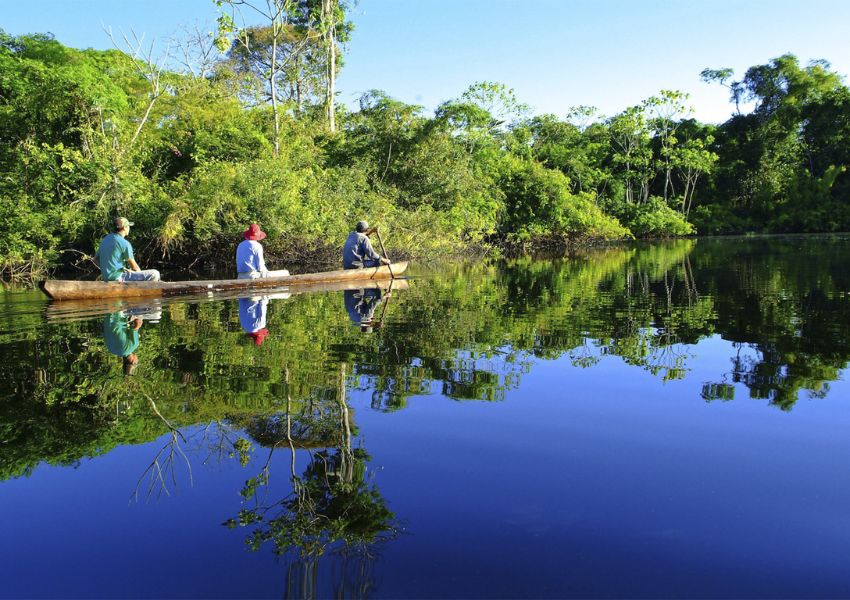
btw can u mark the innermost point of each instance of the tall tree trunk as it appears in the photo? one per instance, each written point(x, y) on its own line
point(346, 455)
point(332, 84)
point(691, 195)
point(298, 85)
point(329, 18)
point(273, 88)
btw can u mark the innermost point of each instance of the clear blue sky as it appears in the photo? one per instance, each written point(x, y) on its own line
point(554, 53)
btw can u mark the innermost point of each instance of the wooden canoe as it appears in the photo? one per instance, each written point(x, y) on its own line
point(59, 289)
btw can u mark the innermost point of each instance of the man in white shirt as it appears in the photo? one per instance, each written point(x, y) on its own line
point(250, 263)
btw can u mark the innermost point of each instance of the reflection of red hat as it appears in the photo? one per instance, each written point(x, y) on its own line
point(259, 336)
point(254, 233)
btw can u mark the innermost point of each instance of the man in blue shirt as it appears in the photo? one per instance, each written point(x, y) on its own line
point(115, 254)
point(357, 253)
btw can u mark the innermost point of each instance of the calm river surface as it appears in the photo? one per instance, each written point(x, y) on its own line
point(658, 420)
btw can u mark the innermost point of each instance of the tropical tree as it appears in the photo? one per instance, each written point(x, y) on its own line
point(265, 50)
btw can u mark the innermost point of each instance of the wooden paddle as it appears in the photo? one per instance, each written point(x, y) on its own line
point(384, 250)
point(387, 296)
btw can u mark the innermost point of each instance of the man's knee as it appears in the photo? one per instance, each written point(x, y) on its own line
point(154, 275)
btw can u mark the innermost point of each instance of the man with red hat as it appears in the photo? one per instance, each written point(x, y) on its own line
point(250, 263)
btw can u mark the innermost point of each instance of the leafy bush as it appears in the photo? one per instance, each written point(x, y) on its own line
point(656, 219)
point(539, 204)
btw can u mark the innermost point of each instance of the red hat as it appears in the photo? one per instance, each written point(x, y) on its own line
point(254, 233)
point(259, 336)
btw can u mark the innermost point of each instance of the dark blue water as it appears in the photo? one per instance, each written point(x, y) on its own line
point(656, 421)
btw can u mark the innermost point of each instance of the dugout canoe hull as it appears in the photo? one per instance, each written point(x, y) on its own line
point(60, 289)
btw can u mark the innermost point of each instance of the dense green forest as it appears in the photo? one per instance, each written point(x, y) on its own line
point(221, 130)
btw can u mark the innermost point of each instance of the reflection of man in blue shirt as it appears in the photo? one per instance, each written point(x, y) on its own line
point(361, 305)
point(252, 317)
point(122, 338)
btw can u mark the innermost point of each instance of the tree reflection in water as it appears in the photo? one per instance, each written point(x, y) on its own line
point(332, 506)
point(780, 307)
point(162, 469)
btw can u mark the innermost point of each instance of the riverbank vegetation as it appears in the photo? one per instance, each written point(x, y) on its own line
point(195, 143)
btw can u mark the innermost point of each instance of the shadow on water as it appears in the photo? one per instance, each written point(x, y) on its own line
point(250, 379)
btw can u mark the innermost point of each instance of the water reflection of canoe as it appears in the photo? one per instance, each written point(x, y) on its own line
point(74, 290)
point(70, 310)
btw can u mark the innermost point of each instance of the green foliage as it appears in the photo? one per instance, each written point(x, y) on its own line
point(579, 151)
point(782, 167)
point(540, 206)
point(655, 219)
point(24, 236)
